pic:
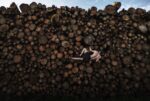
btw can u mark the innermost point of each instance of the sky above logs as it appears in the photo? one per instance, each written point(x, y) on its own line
point(86, 4)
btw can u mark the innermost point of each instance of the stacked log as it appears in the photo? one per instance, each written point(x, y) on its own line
point(37, 42)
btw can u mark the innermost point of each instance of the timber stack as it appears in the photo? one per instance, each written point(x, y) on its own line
point(37, 41)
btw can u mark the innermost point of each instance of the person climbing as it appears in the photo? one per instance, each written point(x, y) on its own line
point(96, 55)
point(88, 54)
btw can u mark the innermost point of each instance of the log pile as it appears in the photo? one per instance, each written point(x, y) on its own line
point(37, 41)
